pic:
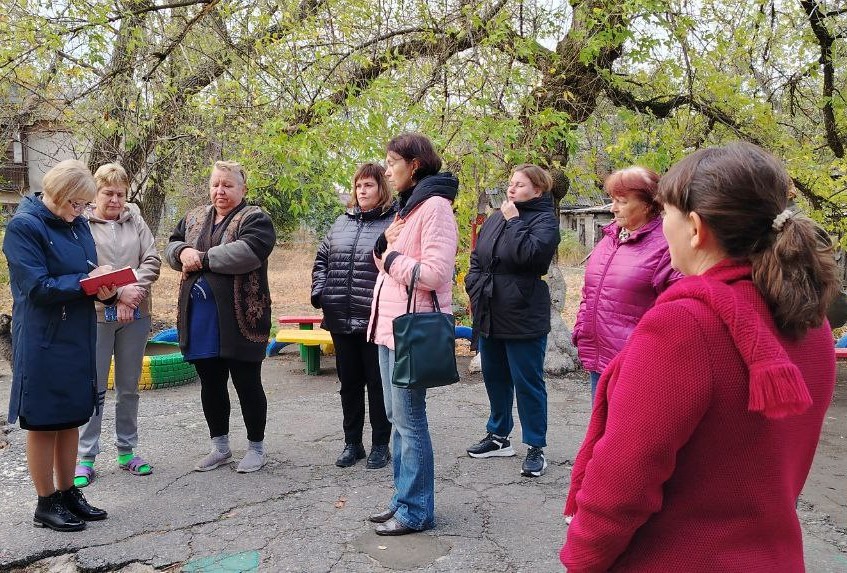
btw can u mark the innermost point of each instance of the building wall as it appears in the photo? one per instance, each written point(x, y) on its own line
point(45, 148)
point(588, 226)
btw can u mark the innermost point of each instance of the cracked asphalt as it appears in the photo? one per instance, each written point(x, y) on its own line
point(303, 514)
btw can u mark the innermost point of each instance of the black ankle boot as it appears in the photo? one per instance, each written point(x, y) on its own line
point(379, 457)
point(51, 512)
point(352, 453)
point(76, 504)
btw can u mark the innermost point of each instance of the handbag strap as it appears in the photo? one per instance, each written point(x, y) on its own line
point(412, 293)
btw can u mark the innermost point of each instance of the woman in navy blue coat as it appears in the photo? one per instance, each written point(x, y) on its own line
point(49, 249)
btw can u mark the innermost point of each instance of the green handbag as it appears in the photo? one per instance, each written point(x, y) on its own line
point(424, 345)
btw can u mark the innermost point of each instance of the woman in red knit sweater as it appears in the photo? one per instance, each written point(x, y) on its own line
point(705, 425)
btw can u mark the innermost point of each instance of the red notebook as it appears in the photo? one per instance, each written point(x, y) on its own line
point(120, 277)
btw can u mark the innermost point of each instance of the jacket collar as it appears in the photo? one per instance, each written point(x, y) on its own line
point(33, 205)
point(543, 203)
point(440, 185)
point(613, 230)
point(370, 214)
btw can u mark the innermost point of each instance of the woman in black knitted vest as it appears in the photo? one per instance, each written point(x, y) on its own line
point(224, 315)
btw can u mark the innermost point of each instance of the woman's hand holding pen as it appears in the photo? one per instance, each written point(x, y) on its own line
point(104, 292)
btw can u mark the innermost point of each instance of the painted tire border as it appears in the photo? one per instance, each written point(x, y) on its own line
point(161, 371)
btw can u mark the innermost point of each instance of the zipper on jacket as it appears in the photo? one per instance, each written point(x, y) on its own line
point(64, 313)
point(372, 327)
point(594, 314)
point(359, 224)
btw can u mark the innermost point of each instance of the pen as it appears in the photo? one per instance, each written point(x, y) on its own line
point(93, 266)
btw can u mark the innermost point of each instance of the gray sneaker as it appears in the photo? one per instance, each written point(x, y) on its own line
point(213, 460)
point(252, 462)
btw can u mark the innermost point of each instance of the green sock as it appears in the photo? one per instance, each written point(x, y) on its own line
point(125, 458)
point(83, 481)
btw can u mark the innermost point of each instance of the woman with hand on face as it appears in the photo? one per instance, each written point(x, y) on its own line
point(705, 425)
point(627, 270)
point(123, 239)
point(425, 234)
point(224, 316)
point(343, 280)
point(49, 249)
point(511, 312)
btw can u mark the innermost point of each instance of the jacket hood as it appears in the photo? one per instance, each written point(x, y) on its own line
point(129, 210)
point(777, 388)
point(440, 185)
point(33, 205)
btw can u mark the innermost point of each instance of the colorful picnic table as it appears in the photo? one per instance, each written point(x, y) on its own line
point(303, 323)
point(311, 340)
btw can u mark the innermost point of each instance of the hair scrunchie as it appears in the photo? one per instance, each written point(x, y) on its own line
point(779, 220)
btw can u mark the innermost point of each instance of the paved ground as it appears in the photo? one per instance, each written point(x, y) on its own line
point(302, 513)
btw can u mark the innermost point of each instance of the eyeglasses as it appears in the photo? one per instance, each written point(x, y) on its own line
point(78, 205)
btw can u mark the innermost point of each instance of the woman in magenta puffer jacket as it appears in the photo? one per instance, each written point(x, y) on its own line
point(628, 269)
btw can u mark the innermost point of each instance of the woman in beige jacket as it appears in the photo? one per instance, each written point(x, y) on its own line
point(123, 239)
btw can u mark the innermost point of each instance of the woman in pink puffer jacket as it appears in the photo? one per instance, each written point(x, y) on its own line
point(424, 233)
point(626, 272)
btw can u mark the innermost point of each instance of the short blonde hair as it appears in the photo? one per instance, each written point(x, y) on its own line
point(538, 176)
point(231, 167)
point(69, 180)
point(111, 174)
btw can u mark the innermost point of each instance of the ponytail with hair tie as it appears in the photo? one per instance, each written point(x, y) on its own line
point(779, 220)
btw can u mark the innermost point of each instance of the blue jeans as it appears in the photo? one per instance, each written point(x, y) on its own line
point(594, 377)
point(511, 367)
point(414, 467)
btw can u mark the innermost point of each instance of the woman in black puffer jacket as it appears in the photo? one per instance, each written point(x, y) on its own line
point(342, 285)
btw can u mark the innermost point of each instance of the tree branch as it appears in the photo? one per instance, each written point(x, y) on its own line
point(825, 40)
point(447, 44)
point(138, 12)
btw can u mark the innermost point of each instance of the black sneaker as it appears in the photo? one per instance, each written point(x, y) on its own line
point(535, 464)
point(491, 446)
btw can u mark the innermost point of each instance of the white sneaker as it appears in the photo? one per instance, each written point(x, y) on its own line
point(252, 462)
point(213, 460)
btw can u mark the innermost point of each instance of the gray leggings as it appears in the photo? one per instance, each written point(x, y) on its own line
point(127, 341)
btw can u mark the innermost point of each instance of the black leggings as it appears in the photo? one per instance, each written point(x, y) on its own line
point(214, 394)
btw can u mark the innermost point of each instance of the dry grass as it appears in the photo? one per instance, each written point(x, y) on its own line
point(289, 276)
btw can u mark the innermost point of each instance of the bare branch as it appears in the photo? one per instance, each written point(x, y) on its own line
point(163, 55)
point(448, 43)
point(138, 12)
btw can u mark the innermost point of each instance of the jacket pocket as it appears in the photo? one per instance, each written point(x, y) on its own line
point(50, 333)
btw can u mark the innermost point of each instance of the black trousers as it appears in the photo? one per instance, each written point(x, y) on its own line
point(214, 394)
point(357, 362)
